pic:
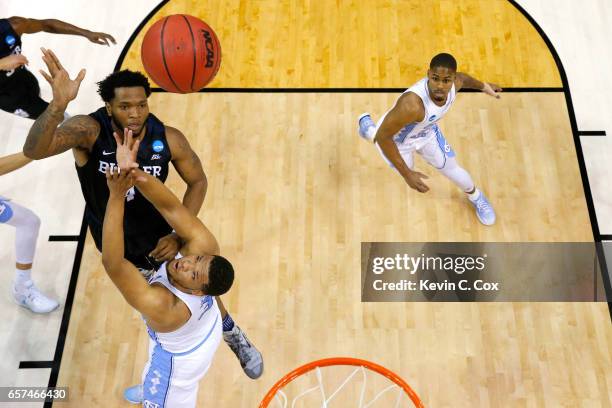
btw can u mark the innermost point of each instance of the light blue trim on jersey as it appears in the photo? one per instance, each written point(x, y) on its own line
point(157, 381)
point(153, 337)
point(6, 212)
point(447, 150)
point(152, 333)
point(404, 132)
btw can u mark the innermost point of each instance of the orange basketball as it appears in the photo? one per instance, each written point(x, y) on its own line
point(181, 53)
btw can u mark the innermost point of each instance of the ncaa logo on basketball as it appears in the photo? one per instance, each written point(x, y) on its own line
point(9, 39)
point(158, 146)
point(432, 117)
point(210, 54)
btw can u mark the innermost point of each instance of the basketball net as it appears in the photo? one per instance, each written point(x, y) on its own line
point(341, 382)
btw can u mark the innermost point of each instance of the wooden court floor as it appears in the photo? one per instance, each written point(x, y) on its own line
point(294, 191)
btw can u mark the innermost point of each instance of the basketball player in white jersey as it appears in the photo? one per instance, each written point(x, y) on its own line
point(411, 126)
point(27, 225)
point(177, 303)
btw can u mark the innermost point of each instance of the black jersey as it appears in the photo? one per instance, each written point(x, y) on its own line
point(143, 224)
point(10, 43)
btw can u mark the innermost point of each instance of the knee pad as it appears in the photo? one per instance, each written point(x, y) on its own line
point(27, 225)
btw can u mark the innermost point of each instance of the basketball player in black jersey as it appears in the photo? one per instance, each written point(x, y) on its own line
point(19, 90)
point(149, 240)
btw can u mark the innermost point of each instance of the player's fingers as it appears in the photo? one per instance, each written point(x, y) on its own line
point(158, 249)
point(136, 146)
point(49, 59)
point(111, 38)
point(79, 78)
point(130, 138)
point(56, 60)
point(168, 257)
point(125, 137)
point(46, 59)
point(117, 139)
point(165, 255)
point(46, 76)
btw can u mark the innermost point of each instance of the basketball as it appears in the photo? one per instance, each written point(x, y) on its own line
point(181, 53)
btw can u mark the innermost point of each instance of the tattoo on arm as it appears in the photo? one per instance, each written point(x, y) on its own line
point(46, 139)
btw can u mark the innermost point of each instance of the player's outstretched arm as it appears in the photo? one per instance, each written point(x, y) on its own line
point(45, 138)
point(149, 300)
point(23, 25)
point(463, 80)
point(189, 167)
point(13, 162)
point(189, 227)
point(405, 111)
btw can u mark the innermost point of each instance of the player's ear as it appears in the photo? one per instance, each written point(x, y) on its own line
point(108, 108)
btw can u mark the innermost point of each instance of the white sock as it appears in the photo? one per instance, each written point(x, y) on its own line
point(371, 132)
point(475, 195)
point(23, 280)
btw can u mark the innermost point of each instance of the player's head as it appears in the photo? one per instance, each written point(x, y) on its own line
point(125, 95)
point(441, 75)
point(201, 274)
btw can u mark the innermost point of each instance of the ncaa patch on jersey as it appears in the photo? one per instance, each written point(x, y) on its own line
point(6, 212)
point(432, 117)
point(9, 39)
point(158, 146)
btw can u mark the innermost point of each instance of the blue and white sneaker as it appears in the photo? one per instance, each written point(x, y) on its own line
point(365, 123)
point(28, 296)
point(484, 210)
point(134, 395)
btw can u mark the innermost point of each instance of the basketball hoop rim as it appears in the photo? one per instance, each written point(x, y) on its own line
point(350, 361)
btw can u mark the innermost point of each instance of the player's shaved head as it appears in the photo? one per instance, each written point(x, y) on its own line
point(443, 60)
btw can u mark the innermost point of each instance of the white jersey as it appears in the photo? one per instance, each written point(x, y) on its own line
point(204, 316)
point(418, 134)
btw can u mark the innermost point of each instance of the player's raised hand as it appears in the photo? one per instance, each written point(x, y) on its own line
point(119, 182)
point(64, 88)
point(127, 150)
point(101, 38)
point(167, 248)
point(492, 89)
point(414, 181)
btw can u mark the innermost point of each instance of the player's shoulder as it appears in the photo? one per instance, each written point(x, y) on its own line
point(161, 303)
point(410, 103)
point(176, 140)
point(22, 25)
